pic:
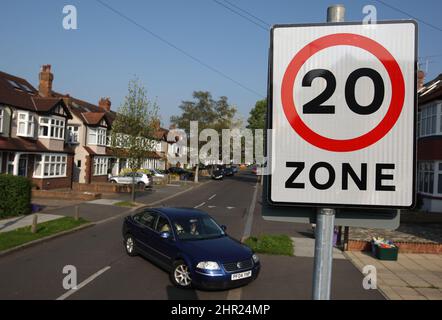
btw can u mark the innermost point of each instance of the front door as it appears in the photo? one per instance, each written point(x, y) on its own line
point(23, 166)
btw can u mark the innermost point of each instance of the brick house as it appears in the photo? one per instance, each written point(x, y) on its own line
point(33, 132)
point(429, 156)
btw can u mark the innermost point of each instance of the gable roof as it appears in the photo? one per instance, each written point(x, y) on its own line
point(89, 113)
point(19, 93)
point(431, 91)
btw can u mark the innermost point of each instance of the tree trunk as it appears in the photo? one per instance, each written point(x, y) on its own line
point(196, 173)
point(133, 187)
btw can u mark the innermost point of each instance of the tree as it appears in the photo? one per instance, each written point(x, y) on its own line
point(258, 115)
point(210, 114)
point(134, 127)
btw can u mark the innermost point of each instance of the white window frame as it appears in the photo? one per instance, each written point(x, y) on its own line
point(54, 164)
point(55, 125)
point(98, 136)
point(100, 166)
point(28, 122)
point(74, 136)
point(2, 116)
point(431, 118)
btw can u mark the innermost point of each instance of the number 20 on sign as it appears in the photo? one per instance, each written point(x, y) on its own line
point(342, 112)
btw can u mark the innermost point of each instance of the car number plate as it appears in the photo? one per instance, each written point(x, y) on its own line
point(241, 275)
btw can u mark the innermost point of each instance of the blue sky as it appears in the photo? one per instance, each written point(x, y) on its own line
point(107, 51)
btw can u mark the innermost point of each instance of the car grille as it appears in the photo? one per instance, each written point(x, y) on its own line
point(239, 265)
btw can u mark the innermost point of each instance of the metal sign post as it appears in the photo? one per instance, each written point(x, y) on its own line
point(325, 219)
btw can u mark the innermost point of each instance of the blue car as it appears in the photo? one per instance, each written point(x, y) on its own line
point(191, 246)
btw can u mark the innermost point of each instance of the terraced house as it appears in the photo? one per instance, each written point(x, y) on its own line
point(56, 139)
point(430, 145)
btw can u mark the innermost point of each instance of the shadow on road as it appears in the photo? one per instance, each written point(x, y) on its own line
point(174, 293)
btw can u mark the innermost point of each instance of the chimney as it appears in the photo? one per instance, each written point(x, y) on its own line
point(420, 79)
point(105, 104)
point(45, 78)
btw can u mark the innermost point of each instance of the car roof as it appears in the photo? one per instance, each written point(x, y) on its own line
point(179, 212)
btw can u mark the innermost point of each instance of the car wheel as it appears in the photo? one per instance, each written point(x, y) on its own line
point(129, 245)
point(180, 275)
point(113, 181)
point(141, 185)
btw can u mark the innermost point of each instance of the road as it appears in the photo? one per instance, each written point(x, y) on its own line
point(108, 273)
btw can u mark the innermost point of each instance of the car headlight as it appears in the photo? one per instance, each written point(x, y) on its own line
point(208, 265)
point(255, 258)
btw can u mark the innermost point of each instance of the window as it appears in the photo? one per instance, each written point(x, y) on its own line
point(25, 124)
point(100, 166)
point(50, 166)
point(146, 218)
point(97, 136)
point(1, 119)
point(51, 128)
point(430, 120)
point(74, 132)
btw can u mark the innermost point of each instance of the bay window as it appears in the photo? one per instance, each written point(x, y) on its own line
point(50, 166)
point(51, 128)
point(97, 136)
point(25, 124)
point(1, 119)
point(101, 165)
point(430, 120)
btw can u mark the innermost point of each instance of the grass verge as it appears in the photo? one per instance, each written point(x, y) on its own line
point(21, 236)
point(271, 244)
point(125, 204)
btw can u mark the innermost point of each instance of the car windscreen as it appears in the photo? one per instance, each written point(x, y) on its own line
point(197, 228)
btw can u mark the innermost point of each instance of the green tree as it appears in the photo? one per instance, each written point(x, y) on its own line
point(210, 113)
point(257, 116)
point(134, 127)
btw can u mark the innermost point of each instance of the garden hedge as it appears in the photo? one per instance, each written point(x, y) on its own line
point(15, 196)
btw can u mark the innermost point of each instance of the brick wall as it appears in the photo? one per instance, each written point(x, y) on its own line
point(404, 247)
point(430, 148)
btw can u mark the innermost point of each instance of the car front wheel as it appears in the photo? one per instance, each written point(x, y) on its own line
point(180, 275)
point(129, 244)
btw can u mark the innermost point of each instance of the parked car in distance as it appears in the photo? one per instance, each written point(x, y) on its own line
point(191, 246)
point(235, 169)
point(218, 173)
point(185, 174)
point(156, 173)
point(228, 172)
point(140, 179)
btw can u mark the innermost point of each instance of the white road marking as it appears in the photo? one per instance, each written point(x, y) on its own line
point(200, 205)
point(211, 207)
point(236, 294)
point(230, 208)
point(84, 283)
point(212, 197)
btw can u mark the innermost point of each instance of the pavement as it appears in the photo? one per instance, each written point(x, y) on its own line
point(25, 221)
point(411, 277)
point(104, 271)
point(305, 247)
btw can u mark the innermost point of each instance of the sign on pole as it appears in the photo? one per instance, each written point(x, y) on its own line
point(342, 111)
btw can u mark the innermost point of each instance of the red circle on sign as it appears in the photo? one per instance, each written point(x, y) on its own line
point(367, 139)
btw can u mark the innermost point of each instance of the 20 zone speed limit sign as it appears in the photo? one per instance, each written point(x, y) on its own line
point(342, 106)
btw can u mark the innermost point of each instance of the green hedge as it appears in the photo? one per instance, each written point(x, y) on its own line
point(15, 196)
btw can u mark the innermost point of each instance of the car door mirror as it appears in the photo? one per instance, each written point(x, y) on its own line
point(165, 235)
point(224, 228)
